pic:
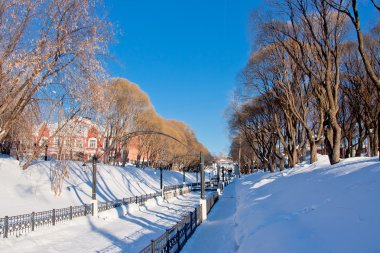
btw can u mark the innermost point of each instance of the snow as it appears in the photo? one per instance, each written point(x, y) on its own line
point(310, 208)
point(25, 191)
point(117, 230)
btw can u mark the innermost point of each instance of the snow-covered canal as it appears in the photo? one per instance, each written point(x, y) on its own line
point(112, 232)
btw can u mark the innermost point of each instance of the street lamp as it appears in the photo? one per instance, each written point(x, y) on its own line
point(218, 173)
point(94, 160)
point(46, 149)
point(202, 171)
point(161, 178)
point(94, 201)
point(223, 175)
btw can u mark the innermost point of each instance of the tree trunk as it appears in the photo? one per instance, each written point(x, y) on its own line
point(336, 142)
point(333, 143)
point(371, 144)
point(349, 146)
point(293, 158)
point(272, 165)
point(375, 141)
point(269, 167)
point(265, 166)
point(313, 151)
point(378, 132)
point(359, 149)
point(282, 163)
point(125, 156)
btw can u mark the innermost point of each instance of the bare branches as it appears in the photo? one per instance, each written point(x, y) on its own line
point(354, 16)
point(47, 46)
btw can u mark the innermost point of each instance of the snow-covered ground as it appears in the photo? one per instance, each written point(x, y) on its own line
point(25, 191)
point(117, 230)
point(311, 208)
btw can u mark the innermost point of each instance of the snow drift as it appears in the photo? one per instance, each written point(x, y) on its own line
point(24, 191)
point(310, 208)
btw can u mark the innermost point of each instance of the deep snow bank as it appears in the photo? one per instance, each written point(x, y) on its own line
point(311, 208)
point(30, 190)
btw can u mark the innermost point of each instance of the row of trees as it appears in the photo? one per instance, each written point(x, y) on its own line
point(309, 86)
point(52, 55)
point(127, 109)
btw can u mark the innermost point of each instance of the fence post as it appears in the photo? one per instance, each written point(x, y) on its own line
point(152, 246)
point(196, 217)
point(53, 218)
point(167, 241)
point(85, 209)
point(136, 199)
point(6, 226)
point(71, 212)
point(32, 219)
point(186, 229)
point(179, 243)
point(191, 222)
point(106, 205)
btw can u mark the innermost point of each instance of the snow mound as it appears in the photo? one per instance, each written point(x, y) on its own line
point(25, 191)
point(310, 208)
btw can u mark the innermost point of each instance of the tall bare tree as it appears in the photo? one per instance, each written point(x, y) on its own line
point(48, 48)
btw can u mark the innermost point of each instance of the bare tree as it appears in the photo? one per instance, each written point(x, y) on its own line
point(318, 32)
point(350, 9)
point(48, 47)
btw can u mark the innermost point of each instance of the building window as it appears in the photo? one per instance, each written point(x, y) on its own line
point(56, 141)
point(92, 143)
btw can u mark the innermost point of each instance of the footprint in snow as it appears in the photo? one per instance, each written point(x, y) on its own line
point(305, 210)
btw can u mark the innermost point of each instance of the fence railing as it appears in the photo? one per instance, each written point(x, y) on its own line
point(175, 237)
point(21, 224)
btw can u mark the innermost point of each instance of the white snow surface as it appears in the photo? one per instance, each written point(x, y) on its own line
point(310, 208)
point(116, 230)
point(25, 191)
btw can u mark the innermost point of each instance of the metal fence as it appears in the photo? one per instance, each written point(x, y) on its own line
point(175, 238)
point(22, 224)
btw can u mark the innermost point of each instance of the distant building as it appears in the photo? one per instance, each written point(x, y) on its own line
point(79, 139)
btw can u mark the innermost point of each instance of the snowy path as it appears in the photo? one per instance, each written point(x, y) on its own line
point(310, 208)
point(114, 232)
point(217, 233)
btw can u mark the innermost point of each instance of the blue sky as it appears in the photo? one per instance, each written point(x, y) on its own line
point(186, 56)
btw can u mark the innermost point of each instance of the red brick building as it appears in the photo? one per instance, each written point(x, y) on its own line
point(79, 139)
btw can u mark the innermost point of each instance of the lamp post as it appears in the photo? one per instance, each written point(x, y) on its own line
point(46, 149)
point(94, 201)
point(94, 160)
point(202, 171)
point(203, 201)
point(239, 154)
point(161, 178)
point(218, 172)
point(183, 176)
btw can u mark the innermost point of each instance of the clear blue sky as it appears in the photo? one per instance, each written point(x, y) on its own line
point(186, 56)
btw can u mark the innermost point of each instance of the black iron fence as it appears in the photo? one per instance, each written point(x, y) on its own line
point(21, 224)
point(175, 238)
